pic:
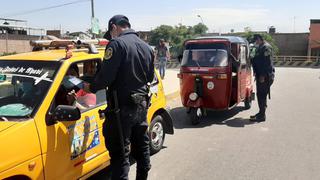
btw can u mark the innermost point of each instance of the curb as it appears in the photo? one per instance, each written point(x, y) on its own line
point(170, 65)
point(297, 64)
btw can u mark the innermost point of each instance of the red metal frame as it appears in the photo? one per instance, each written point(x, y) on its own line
point(222, 94)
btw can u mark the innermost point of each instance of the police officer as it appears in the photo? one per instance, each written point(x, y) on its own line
point(264, 73)
point(127, 69)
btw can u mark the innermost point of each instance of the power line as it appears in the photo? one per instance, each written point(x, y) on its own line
point(43, 9)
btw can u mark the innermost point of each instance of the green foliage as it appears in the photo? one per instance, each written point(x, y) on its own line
point(176, 35)
point(200, 29)
point(8, 54)
point(267, 37)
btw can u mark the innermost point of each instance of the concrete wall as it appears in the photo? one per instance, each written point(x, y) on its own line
point(16, 43)
point(292, 44)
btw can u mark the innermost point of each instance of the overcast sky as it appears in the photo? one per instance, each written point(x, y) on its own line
point(219, 16)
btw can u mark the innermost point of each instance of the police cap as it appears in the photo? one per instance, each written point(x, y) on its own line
point(116, 20)
point(257, 36)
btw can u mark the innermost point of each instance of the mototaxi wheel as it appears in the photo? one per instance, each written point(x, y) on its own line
point(248, 102)
point(195, 115)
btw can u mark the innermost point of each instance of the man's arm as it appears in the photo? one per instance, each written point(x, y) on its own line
point(109, 69)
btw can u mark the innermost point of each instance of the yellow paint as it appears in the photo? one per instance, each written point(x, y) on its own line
point(33, 149)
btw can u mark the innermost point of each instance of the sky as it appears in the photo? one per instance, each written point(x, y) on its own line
point(220, 16)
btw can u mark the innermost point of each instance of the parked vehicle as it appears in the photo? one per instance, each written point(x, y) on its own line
point(215, 74)
point(43, 134)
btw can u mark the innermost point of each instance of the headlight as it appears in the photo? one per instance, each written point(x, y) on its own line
point(193, 96)
point(210, 85)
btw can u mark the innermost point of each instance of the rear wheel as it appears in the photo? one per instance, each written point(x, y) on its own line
point(156, 134)
point(195, 115)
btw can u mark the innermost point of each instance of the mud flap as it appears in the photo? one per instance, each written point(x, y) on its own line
point(168, 121)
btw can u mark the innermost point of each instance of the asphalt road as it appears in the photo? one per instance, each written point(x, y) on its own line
point(226, 145)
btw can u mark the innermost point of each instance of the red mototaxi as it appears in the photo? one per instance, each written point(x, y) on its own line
point(215, 74)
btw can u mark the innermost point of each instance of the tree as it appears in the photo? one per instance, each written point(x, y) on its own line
point(176, 35)
point(200, 29)
point(162, 32)
point(267, 37)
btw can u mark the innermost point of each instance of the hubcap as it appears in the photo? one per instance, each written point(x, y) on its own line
point(157, 135)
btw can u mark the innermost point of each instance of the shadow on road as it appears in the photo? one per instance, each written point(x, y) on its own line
point(182, 120)
point(105, 174)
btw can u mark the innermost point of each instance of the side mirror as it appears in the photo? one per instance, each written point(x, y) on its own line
point(66, 113)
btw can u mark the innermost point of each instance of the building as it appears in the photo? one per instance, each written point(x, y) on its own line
point(15, 36)
point(314, 38)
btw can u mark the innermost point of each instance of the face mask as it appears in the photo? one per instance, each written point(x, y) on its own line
point(256, 45)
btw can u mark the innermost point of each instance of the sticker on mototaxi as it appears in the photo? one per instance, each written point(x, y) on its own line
point(84, 135)
point(3, 77)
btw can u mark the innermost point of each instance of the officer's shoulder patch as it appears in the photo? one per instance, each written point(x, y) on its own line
point(108, 53)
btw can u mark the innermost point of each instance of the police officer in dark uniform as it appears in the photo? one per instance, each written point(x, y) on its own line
point(264, 73)
point(127, 69)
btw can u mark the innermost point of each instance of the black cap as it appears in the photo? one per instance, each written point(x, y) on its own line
point(117, 20)
point(257, 36)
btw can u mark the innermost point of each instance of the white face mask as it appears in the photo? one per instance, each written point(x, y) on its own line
point(256, 45)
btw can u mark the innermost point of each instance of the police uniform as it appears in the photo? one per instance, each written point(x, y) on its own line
point(263, 67)
point(127, 68)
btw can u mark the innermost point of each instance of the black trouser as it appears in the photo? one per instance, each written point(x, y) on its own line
point(262, 93)
point(136, 141)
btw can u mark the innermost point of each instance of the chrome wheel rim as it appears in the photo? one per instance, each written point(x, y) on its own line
point(157, 135)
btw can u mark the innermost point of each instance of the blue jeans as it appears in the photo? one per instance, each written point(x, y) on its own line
point(162, 66)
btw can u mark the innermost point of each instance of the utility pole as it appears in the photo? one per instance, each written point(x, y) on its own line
point(294, 24)
point(200, 18)
point(7, 49)
point(92, 17)
point(92, 9)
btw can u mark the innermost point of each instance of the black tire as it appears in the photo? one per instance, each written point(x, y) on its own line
point(248, 102)
point(156, 134)
point(195, 119)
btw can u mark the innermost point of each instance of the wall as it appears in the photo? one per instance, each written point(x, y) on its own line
point(292, 44)
point(16, 43)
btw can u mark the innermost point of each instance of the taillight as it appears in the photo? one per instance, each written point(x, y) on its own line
point(179, 75)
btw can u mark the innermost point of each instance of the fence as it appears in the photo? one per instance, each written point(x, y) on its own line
point(297, 61)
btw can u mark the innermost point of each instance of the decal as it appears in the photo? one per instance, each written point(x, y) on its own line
point(84, 135)
point(37, 74)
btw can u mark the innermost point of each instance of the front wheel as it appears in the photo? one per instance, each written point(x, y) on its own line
point(156, 134)
point(248, 102)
